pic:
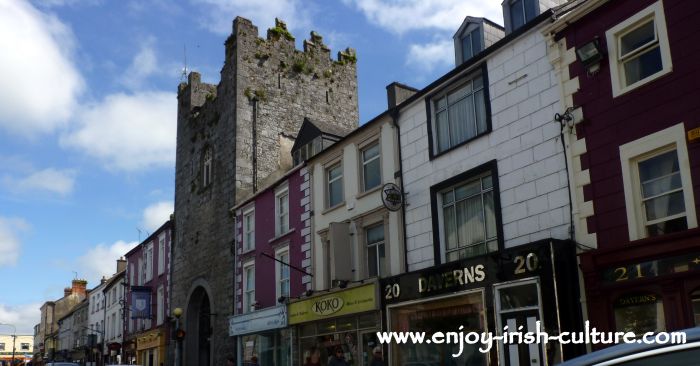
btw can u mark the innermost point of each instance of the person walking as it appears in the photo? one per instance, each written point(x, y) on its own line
point(338, 358)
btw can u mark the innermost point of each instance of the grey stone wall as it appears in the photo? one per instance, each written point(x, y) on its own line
point(283, 85)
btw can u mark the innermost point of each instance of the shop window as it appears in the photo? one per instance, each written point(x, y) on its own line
point(639, 49)
point(371, 169)
point(445, 314)
point(334, 182)
point(639, 313)
point(354, 338)
point(695, 303)
point(376, 258)
point(469, 219)
point(657, 183)
point(459, 113)
point(268, 348)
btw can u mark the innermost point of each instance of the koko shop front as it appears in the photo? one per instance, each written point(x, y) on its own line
point(514, 287)
point(346, 319)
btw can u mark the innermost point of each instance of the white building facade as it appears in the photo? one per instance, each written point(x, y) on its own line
point(113, 293)
point(488, 241)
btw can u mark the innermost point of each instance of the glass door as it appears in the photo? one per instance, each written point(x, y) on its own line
point(518, 304)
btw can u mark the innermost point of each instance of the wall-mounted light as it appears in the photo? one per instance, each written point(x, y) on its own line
point(590, 54)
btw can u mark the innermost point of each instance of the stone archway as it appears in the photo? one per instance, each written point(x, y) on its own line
point(199, 329)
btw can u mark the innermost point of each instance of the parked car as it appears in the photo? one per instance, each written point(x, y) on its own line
point(636, 354)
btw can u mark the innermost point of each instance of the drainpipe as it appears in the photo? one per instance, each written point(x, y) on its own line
point(394, 112)
point(255, 144)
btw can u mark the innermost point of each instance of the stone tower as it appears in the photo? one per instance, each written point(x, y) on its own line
point(231, 139)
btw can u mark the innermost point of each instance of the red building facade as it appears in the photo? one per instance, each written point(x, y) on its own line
point(631, 92)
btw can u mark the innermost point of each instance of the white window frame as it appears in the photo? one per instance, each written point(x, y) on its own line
point(367, 245)
point(247, 306)
point(278, 271)
point(161, 254)
point(281, 223)
point(363, 163)
point(140, 273)
point(160, 304)
point(249, 243)
point(641, 149)
point(149, 262)
point(326, 171)
point(613, 35)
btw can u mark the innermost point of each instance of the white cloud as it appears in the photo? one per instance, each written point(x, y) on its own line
point(399, 16)
point(101, 260)
point(427, 57)
point(128, 131)
point(10, 244)
point(262, 13)
point(52, 180)
point(24, 317)
point(45, 83)
point(143, 65)
point(156, 215)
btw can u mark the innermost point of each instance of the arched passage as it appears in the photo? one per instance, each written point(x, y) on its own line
point(198, 323)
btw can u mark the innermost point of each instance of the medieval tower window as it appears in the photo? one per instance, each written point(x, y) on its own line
point(206, 167)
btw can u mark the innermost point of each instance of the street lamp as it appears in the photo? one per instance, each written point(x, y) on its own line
point(14, 340)
point(179, 334)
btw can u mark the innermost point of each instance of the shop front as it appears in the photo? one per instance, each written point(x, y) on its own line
point(651, 285)
point(151, 347)
point(345, 320)
point(262, 337)
point(515, 288)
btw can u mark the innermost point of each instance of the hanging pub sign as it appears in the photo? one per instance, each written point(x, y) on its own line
point(140, 302)
point(392, 197)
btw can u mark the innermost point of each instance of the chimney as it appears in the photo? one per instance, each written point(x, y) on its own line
point(79, 287)
point(121, 264)
point(66, 291)
point(103, 280)
point(397, 93)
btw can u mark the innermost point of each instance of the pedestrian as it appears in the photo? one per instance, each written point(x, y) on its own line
point(314, 357)
point(338, 358)
point(377, 357)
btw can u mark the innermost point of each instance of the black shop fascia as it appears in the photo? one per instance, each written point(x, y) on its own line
point(513, 287)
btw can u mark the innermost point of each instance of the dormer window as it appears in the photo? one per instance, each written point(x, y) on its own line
point(473, 36)
point(519, 12)
point(471, 44)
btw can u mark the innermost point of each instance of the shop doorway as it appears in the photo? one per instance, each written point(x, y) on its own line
point(518, 308)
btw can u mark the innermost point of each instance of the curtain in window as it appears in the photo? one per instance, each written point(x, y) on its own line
point(443, 131)
point(470, 224)
point(660, 175)
point(461, 114)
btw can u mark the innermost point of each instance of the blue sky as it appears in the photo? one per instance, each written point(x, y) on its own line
point(88, 108)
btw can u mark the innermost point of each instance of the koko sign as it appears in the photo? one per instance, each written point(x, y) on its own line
point(327, 306)
point(350, 301)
